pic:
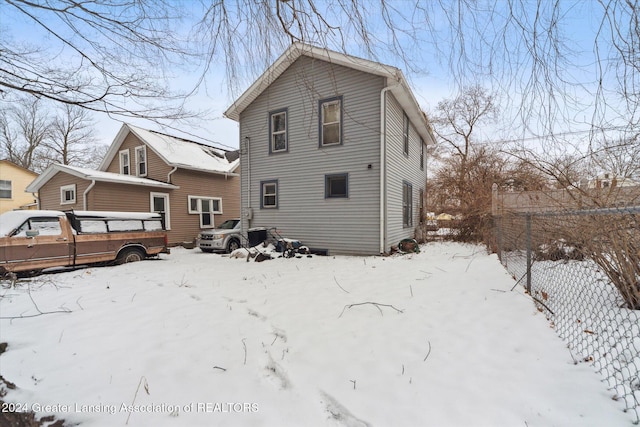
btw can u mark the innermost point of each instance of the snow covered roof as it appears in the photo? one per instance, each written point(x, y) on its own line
point(395, 81)
point(10, 220)
point(176, 152)
point(92, 175)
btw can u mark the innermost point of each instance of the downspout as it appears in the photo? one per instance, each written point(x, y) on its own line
point(85, 195)
point(175, 168)
point(247, 214)
point(383, 168)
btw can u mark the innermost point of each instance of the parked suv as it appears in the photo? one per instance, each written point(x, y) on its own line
point(225, 238)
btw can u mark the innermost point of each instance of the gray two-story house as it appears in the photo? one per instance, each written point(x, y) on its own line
point(333, 152)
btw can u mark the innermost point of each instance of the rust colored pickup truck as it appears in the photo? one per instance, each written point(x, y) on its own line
point(31, 241)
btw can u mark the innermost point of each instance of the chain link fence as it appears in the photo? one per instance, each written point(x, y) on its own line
point(582, 268)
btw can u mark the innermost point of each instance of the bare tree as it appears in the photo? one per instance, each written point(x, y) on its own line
point(620, 157)
point(113, 56)
point(455, 123)
point(71, 139)
point(34, 134)
point(24, 126)
point(118, 55)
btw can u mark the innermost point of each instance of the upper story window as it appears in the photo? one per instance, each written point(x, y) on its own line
point(278, 131)
point(331, 121)
point(68, 194)
point(405, 133)
point(125, 163)
point(141, 160)
point(269, 194)
point(336, 186)
point(421, 153)
point(5, 189)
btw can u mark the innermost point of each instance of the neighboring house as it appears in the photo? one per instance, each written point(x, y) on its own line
point(194, 186)
point(609, 180)
point(13, 181)
point(333, 152)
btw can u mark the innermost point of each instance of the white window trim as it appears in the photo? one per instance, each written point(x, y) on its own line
point(199, 211)
point(138, 149)
point(199, 198)
point(128, 165)
point(66, 188)
point(167, 206)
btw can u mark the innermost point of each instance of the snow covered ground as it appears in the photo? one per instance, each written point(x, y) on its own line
point(430, 339)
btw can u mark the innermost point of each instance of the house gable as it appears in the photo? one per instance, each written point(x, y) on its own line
point(395, 81)
point(166, 153)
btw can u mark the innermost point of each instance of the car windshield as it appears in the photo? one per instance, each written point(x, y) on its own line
point(229, 224)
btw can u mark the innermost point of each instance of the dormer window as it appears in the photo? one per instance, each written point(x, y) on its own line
point(125, 162)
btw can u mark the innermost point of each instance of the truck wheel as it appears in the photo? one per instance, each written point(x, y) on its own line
point(232, 245)
point(130, 255)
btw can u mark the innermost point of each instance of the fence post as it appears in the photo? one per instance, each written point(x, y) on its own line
point(528, 225)
point(498, 227)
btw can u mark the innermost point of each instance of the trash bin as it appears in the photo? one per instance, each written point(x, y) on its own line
point(256, 236)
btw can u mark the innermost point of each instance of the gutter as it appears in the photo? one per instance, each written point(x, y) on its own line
point(383, 169)
point(247, 214)
point(85, 195)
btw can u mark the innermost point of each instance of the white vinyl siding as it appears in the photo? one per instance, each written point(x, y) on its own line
point(402, 169)
point(341, 225)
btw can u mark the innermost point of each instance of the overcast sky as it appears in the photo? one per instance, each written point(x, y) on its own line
point(430, 76)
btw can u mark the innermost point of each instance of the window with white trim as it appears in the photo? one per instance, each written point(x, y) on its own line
point(269, 194)
point(407, 204)
point(5, 189)
point(141, 160)
point(331, 121)
point(160, 204)
point(206, 207)
point(125, 163)
point(68, 194)
point(278, 131)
